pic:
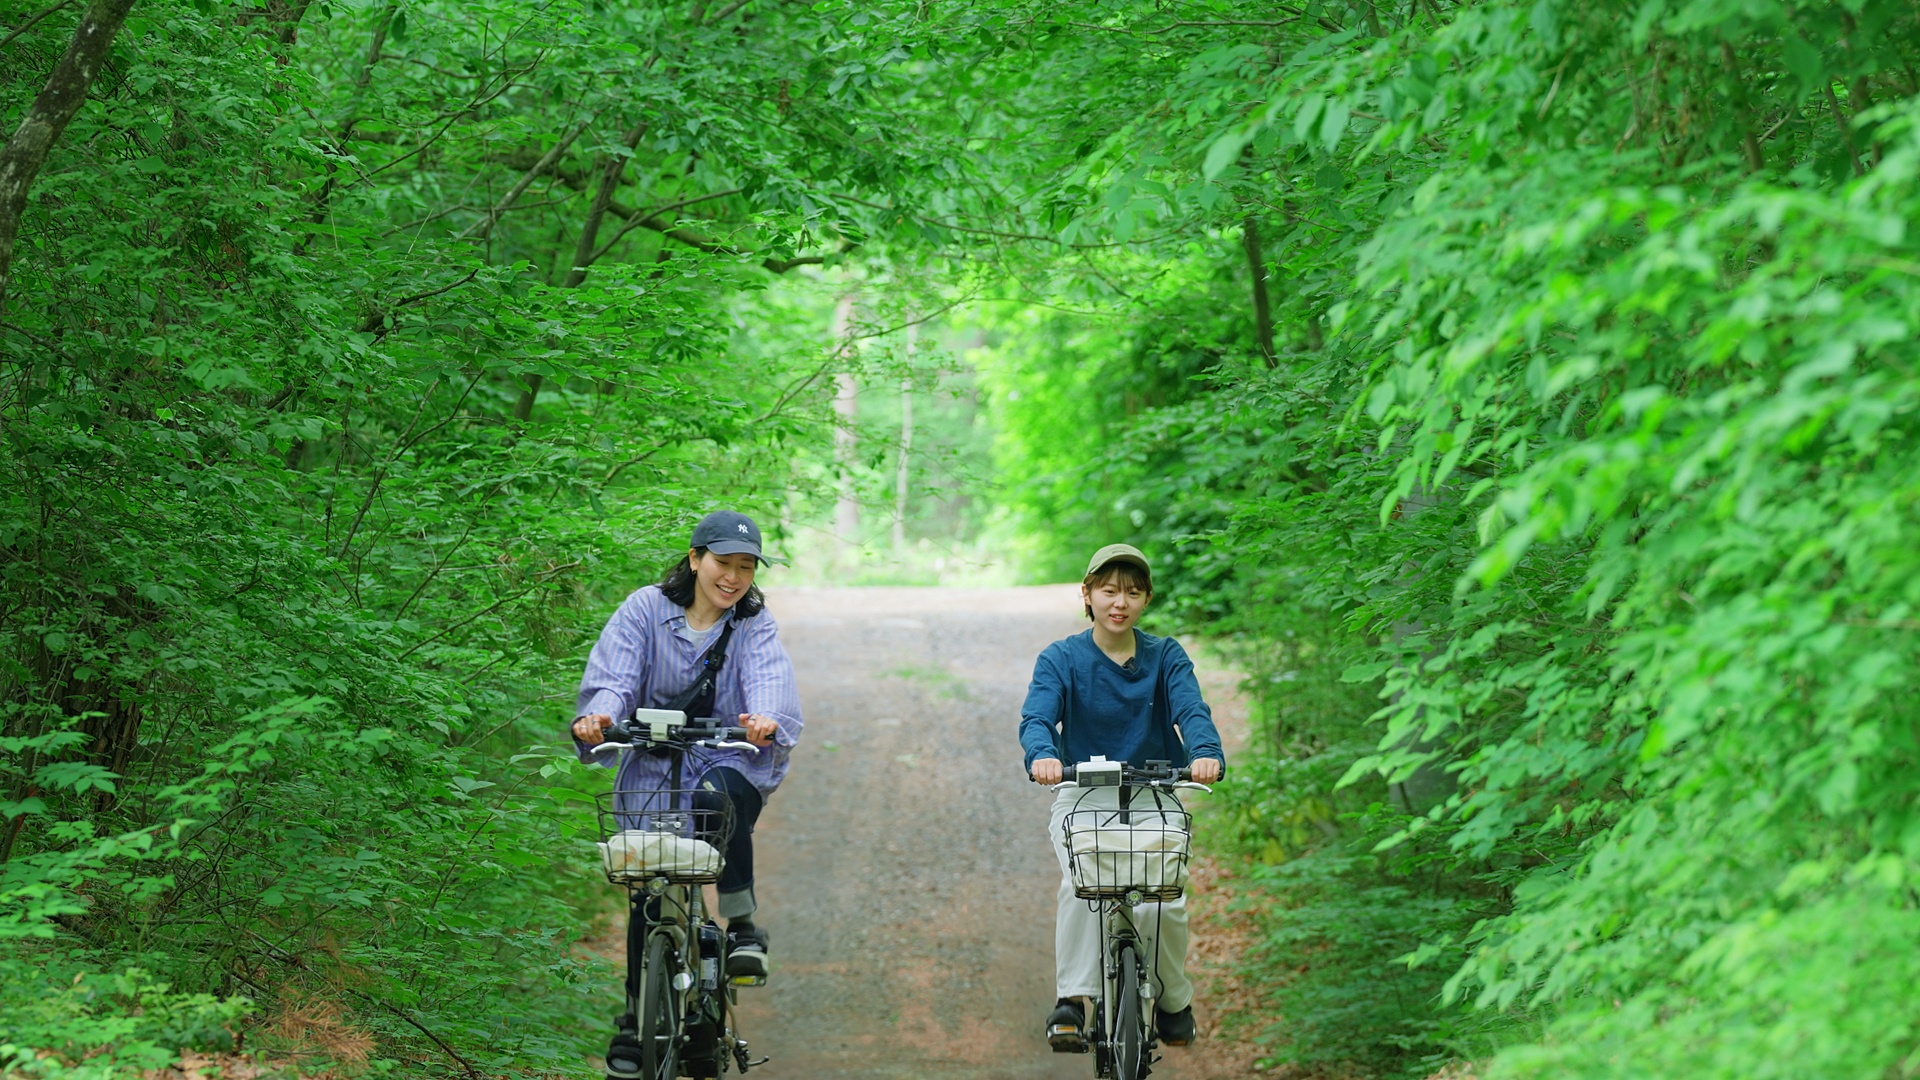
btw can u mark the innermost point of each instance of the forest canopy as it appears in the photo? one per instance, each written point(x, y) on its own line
point(1525, 392)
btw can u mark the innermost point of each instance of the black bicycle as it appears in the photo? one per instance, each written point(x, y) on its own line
point(663, 843)
point(1122, 852)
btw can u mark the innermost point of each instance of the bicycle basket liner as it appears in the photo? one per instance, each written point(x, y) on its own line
point(659, 833)
point(1112, 853)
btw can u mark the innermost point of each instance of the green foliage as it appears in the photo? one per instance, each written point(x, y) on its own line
point(1590, 420)
point(1346, 960)
point(1578, 441)
point(323, 460)
point(80, 1026)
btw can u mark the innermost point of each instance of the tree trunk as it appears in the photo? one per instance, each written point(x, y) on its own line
point(376, 51)
point(1749, 142)
point(611, 172)
point(51, 112)
point(1262, 308)
point(906, 449)
point(846, 508)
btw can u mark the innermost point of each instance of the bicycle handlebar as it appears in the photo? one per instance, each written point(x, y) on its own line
point(657, 727)
point(1156, 774)
point(1158, 771)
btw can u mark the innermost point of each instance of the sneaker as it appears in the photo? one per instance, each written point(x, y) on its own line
point(746, 953)
point(1176, 1029)
point(1067, 1027)
point(623, 1057)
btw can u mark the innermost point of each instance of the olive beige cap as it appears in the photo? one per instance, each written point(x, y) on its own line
point(1120, 552)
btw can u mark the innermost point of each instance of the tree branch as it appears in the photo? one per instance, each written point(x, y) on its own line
point(37, 340)
point(32, 22)
point(695, 240)
point(1003, 234)
point(540, 579)
point(724, 12)
point(614, 472)
point(652, 214)
point(454, 117)
point(375, 323)
point(481, 228)
point(407, 440)
point(795, 387)
point(48, 116)
point(713, 247)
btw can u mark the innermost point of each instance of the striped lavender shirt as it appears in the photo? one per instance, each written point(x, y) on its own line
point(646, 655)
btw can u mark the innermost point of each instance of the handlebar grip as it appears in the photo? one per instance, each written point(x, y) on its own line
point(1066, 775)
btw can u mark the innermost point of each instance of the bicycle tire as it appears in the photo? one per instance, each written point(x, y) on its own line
point(1129, 1029)
point(658, 1012)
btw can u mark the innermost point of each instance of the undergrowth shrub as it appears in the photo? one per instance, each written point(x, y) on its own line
point(58, 1023)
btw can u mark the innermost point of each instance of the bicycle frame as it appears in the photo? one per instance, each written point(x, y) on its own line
point(668, 921)
point(1117, 935)
point(675, 917)
point(1124, 1035)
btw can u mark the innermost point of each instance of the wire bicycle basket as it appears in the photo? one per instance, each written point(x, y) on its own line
point(1118, 854)
point(658, 832)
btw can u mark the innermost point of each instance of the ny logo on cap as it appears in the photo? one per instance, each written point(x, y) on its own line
point(742, 528)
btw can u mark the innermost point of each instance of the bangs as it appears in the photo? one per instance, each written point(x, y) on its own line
point(1127, 575)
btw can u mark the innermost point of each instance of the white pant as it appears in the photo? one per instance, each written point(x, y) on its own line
point(1076, 928)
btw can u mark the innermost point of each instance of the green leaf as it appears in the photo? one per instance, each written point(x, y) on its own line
point(1223, 153)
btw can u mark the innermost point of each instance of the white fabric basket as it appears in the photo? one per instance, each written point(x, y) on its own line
point(1149, 857)
point(636, 854)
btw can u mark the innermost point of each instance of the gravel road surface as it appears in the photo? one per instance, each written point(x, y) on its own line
point(903, 868)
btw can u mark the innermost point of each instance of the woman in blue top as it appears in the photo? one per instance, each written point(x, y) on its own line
point(1117, 693)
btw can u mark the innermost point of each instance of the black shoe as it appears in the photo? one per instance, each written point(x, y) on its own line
point(746, 952)
point(623, 1057)
point(1176, 1029)
point(1067, 1027)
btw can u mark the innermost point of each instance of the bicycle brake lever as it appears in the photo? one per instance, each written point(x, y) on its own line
point(725, 744)
point(1189, 785)
point(599, 748)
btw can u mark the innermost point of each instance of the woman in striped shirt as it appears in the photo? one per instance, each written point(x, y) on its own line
point(652, 650)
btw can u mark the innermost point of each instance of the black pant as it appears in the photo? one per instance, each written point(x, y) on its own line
point(717, 787)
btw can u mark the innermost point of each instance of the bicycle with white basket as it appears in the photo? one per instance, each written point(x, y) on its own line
point(663, 844)
point(1118, 859)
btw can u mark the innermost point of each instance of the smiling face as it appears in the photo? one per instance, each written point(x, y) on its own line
point(721, 580)
point(1116, 596)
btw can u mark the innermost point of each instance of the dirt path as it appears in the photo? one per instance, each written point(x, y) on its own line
point(903, 868)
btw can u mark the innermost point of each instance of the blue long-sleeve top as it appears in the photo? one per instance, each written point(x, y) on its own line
point(1082, 704)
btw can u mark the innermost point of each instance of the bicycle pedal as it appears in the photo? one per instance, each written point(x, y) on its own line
point(1066, 1039)
point(747, 980)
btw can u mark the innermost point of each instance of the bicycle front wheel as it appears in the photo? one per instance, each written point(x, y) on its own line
point(658, 1011)
point(1129, 1028)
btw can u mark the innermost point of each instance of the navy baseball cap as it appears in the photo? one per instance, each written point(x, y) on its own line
point(727, 532)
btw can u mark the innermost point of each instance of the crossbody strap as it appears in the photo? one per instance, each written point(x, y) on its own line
point(717, 655)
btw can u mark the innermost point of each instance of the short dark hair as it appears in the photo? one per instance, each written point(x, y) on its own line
point(678, 582)
point(1131, 575)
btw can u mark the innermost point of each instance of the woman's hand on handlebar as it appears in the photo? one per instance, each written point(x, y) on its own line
point(1206, 770)
point(760, 729)
point(592, 729)
point(1046, 771)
